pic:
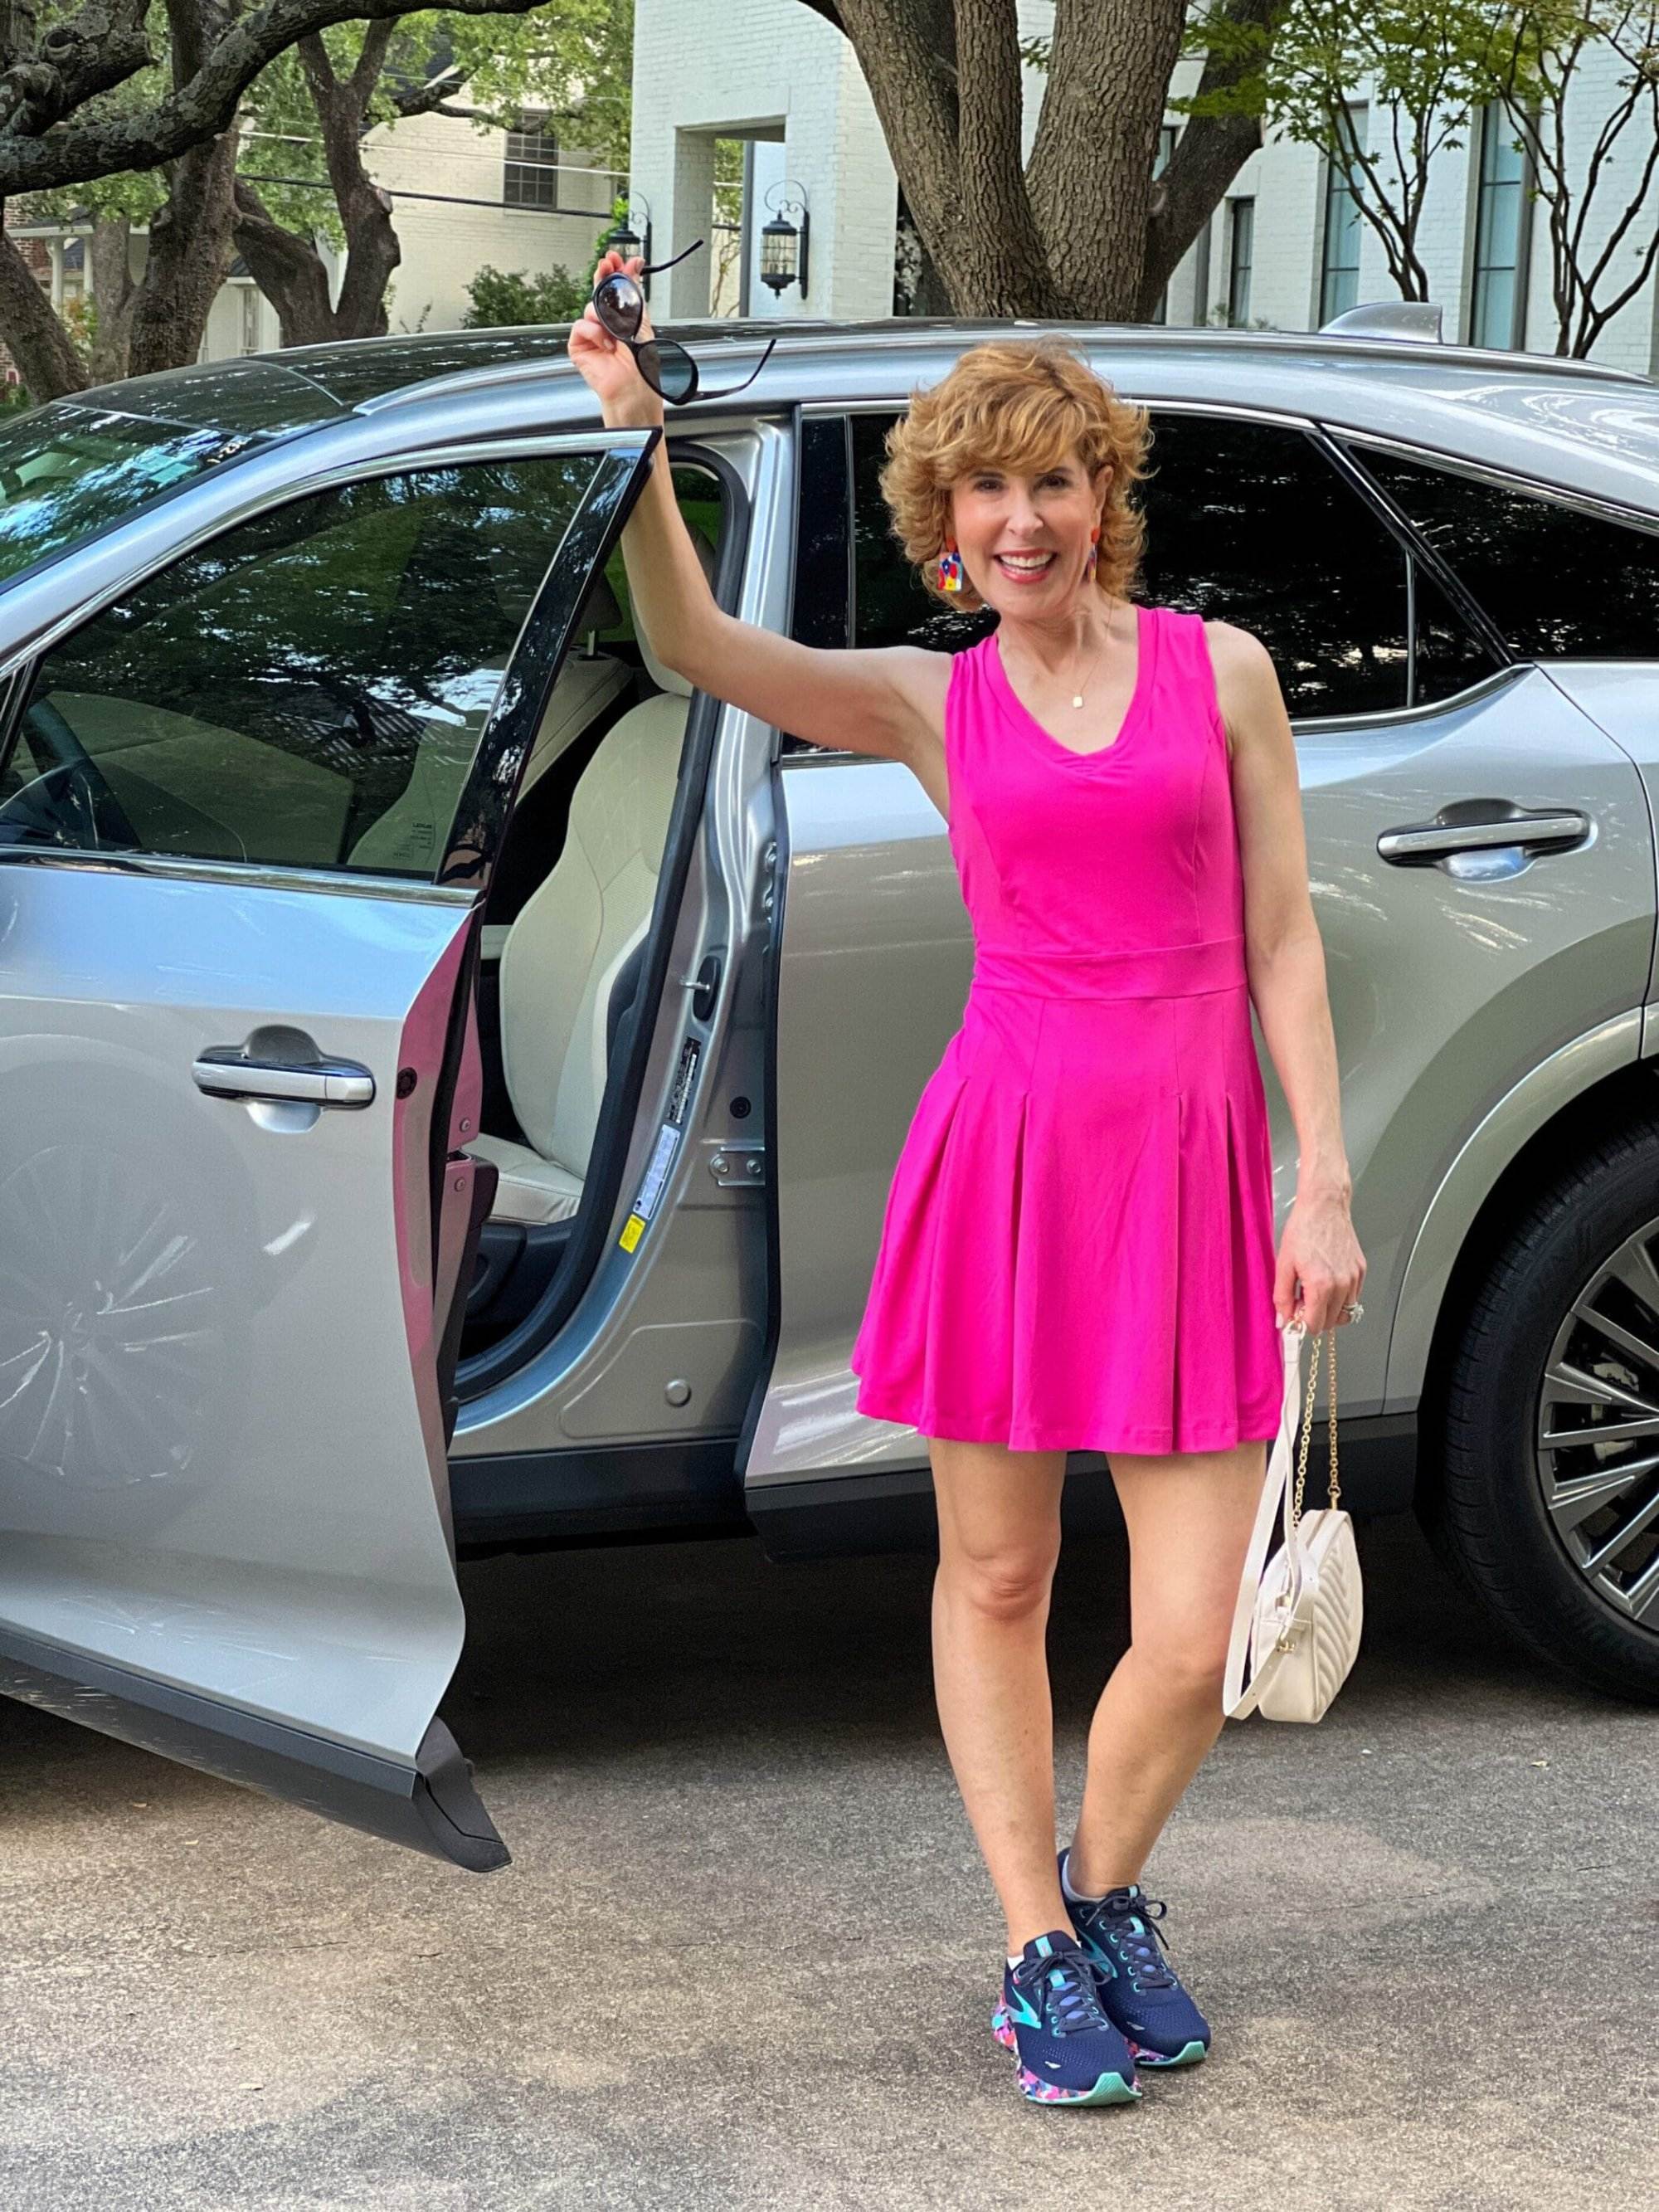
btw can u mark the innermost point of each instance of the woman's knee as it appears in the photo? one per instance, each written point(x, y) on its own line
point(1006, 1581)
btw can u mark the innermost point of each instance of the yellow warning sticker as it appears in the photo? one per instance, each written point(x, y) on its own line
point(633, 1230)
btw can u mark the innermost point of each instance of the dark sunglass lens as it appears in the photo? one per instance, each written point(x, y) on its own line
point(673, 373)
point(618, 302)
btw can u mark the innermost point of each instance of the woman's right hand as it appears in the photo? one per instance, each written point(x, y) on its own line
point(606, 364)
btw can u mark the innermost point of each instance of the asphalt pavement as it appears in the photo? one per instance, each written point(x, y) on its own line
point(746, 1954)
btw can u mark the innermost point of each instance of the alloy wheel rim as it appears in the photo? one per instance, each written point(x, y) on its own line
point(1597, 1431)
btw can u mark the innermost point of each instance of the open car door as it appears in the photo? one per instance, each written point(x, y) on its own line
point(248, 813)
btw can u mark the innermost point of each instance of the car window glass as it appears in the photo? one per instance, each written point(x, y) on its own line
point(69, 471)
point(821, 605)
point(891, 606)
point(1447, 655)
point(1556, 581)
point(1249, 523)
point(308, 690)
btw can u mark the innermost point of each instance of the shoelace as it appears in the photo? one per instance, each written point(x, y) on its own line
point(1068, 1982)
point(1135, 1946)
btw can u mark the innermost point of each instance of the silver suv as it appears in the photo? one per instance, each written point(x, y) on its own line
point(451, 1072)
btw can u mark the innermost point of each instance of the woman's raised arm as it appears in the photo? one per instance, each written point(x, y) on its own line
point(887, 700)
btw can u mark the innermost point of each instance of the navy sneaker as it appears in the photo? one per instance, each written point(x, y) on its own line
point(1142, 1995)
point(1050, 2017)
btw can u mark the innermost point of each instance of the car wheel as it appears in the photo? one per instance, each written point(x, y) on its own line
point(1545, 1497)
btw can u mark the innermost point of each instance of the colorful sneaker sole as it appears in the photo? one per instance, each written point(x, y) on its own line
point(1188, 2055)
point(1109, 2089)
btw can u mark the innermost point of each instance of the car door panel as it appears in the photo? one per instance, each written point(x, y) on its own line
point(237, 1216)
point(202, 1494)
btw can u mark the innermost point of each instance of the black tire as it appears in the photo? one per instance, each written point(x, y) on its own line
point(1483, 1502)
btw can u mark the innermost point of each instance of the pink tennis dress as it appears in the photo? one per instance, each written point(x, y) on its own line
point(1078, 1249)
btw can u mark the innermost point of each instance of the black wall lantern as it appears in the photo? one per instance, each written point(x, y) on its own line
point(627, 241)
point(783, 248)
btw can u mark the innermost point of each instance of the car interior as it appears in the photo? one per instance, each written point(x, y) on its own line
point(567, 924)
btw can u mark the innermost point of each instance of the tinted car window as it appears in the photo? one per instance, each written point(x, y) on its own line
point(308, 690)
point(1447, 655)
point(69, 471)
point(1556, 581)
point(890, 606)
point(1247, 523)
point(821, 607)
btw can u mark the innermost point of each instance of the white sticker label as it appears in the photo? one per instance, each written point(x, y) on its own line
point(656, 1174)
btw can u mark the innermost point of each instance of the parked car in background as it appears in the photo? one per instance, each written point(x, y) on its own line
point(452, 1072)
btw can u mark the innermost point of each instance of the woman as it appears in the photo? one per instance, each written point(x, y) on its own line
point(1077, 1246)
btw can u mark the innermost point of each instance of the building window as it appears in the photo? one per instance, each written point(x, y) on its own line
point(1497, 292)
point(1241, 232)
point(1339, 279)
point(250, 339)
point(1166, 138)
point(532, 177)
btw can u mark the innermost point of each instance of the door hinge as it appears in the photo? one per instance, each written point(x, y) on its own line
point(739, 1163)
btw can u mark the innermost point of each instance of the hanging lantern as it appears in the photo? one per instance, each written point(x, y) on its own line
point(783, 248)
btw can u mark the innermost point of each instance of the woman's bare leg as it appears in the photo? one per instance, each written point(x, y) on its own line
point(999, 1526)
point(1189, 1516)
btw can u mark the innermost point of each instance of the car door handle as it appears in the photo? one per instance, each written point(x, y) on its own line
point(1431, 841)
point(223, 1072)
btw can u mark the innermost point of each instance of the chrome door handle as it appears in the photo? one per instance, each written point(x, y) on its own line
point(1431, 840)
point(223, 1073)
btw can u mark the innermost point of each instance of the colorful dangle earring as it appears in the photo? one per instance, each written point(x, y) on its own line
point(950, 569)
point(1094, 554)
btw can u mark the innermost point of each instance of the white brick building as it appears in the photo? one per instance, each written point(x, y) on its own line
point(1284, 248)
point(464, 197)
point(770, 73)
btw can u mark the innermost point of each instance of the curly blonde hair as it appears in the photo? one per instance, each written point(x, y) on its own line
point(1015, 404)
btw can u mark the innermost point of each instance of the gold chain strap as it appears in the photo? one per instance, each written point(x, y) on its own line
point(1329, 1335)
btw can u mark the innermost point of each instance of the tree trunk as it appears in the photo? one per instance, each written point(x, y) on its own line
point(1077, 232)
point(189, 253)
point(287, 268)
point(46, 360)
point(286, 264)
point(1209, 153)
point(114, 297)
point(371, 248)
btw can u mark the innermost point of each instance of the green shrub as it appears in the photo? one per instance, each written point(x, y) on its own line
point(499, 299)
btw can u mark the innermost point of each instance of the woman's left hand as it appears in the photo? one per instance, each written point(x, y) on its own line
point(1319, 1251)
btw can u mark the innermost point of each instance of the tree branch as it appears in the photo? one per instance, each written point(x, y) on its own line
point(1207, 155)
point(433, 97)
point(377, 39)
point(200, 108)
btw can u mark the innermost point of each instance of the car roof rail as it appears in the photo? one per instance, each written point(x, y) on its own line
point(1391, 319)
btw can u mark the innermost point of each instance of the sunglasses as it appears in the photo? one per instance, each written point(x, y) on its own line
point(665, 366)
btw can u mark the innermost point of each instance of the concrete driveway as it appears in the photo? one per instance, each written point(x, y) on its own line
point(745, 1956)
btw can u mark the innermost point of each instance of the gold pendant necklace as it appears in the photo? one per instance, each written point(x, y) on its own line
point(1077, 696)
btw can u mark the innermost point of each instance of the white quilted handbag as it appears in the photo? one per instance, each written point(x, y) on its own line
point(1296, 1626)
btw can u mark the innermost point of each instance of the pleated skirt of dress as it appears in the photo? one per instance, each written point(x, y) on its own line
point(1078, 1249)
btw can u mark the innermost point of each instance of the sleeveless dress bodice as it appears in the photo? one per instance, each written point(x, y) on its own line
point(1077, 1250)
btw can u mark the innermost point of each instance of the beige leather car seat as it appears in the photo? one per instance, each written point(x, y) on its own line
point(573, 935)
point(405, 837)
